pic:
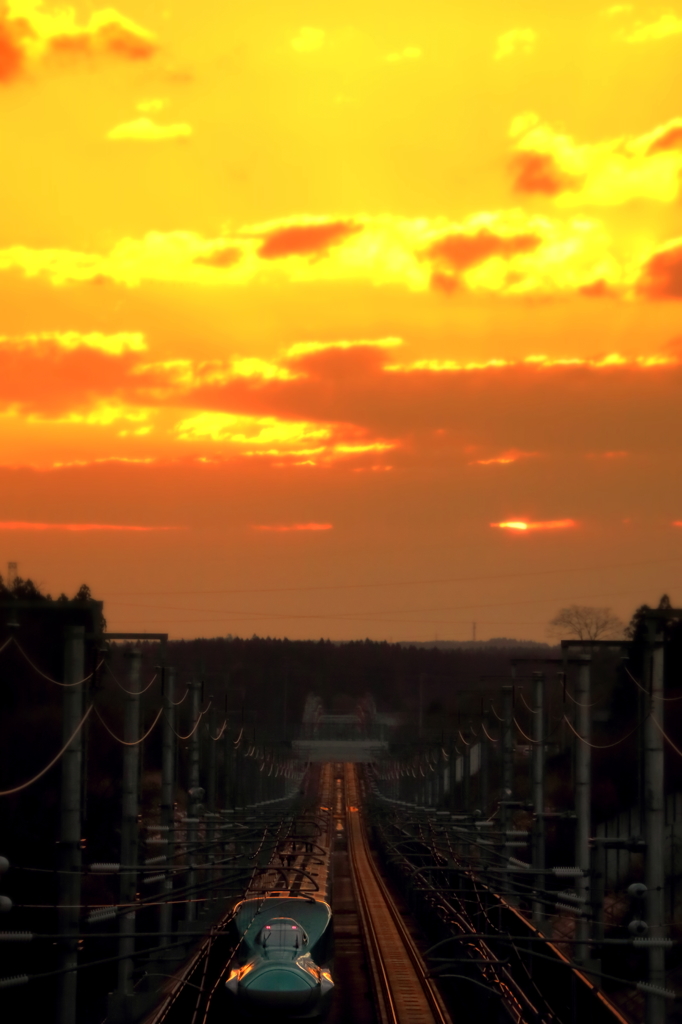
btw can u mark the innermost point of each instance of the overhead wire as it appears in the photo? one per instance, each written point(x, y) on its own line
point(130, 743)
point(599, 746)
point(195, 726)
point(533, 711)
point(133, 693)
point(402, 583)
point(30, 782)
point(44, 675)
point(644, 689)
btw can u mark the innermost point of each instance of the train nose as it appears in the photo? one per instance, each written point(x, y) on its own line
point(280, 989)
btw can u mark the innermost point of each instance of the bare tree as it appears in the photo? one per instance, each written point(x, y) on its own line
point(585, 623)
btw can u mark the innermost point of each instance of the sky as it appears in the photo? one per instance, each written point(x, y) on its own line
point(342, 319)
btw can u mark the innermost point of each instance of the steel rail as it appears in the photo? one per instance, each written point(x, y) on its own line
point(405, 992)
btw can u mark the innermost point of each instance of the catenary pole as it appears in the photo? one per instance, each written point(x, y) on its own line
point(70, 824)
point(507, 765)
point(538, 763)
point(193, 791)
point(129, 823)
point(583, 796)
point(507, 755)
point(168, 742)
point(654, 808)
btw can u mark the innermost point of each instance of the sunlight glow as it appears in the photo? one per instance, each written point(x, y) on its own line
point(144, 129)
point(550, 524)
point(81, 527)
point(295, 527)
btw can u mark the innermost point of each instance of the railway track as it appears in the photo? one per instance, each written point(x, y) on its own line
point(404, 993)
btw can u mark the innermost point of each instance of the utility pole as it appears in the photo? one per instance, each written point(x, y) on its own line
point(421, 704)
point(212, 760)
point(507, 755)
point(168, 739)
point(538, 756)
point(194, 793)
point(70, 824)
point(583, 797)
point(654, 807)
point(452, 773)
point(466, 771)
point(484, 768)
point(507, 767)
point(129, 825)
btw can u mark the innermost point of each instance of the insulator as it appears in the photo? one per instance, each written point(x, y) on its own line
point(156, 860)
point(103, 914)
point(568, 872)
point(110, 868)
point(153, 878)
point(518, 863)
point(18, 979)
point(656, 990)
point(569, 906)
point(639, 942)
point(568, 895)
point(16, 936)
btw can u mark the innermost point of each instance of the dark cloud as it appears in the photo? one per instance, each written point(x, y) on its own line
point(662, 275)
point(221, 258)
point(597, 290)
point(538, 173)
point(11, 53)
point(109, 39)
point(306, 239)
point(672, 139)
point(461, 251)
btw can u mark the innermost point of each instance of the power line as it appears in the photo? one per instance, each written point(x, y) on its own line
point(401, 583)
point(370, 617)
point(25, 785)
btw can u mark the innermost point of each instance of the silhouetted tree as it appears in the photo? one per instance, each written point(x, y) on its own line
point(586, 623)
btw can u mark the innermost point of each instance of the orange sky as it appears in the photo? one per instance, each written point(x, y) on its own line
point(376, 302)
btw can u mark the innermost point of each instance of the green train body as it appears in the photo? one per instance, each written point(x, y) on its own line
point(282, 965)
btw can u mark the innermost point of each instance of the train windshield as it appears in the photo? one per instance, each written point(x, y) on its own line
point(282, 933)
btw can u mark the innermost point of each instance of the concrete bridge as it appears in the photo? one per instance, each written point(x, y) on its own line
point(360, 736)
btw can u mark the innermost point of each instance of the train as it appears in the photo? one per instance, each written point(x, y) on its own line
point(283, 959)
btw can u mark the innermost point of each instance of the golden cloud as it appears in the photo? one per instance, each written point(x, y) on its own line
point(111, 344)
point(251, 430)
point(29, 35)
point(151, 106)
point(506, 252)
point(667, 25)
point(306, 348)
point(516, 40)
point(607, 173)
point(610, 360)
point(143, 129)
point(408, 53)
point(308, 39)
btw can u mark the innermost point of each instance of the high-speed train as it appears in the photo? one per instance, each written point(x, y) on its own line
point(282, 961)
